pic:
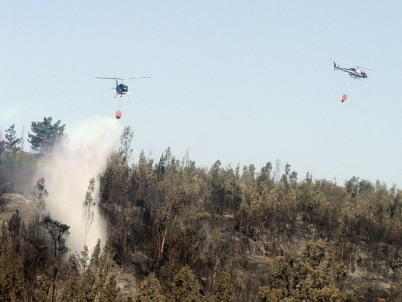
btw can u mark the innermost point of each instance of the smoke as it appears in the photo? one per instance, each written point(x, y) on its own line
point(67, 172)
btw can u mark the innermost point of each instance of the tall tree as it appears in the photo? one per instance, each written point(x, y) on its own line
point(70, 288)
point(150, 290)
point(2, 146)
point(12, 142)
point(45, 134)
point(225, 290)
point(125, 144)
point(39, 195)
point(58, 233)
point(12, 276)
point(106, 287)
point(89, 207)
point(265, 178)
point(186, 287)
point(35, 251)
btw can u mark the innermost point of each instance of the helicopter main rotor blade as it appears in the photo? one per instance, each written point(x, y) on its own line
point(139, 78)
point(365, 68)
point(121, 79)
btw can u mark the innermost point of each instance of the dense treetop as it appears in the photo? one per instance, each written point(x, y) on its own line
point(45, 134)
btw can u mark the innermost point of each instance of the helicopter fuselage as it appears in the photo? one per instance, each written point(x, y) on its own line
point(121, 89)
point(354, 72)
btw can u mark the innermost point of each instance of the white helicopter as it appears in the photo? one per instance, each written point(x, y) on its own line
point(122, 89)
point(354, 72)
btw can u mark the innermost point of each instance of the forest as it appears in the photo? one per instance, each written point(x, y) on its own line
point(189, 233)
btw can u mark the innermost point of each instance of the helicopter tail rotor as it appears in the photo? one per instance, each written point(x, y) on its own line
point(335, 67)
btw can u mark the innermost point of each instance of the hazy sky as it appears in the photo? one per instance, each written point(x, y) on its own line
point(239, 81)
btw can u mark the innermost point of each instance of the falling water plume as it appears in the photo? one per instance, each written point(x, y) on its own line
point(67, 172)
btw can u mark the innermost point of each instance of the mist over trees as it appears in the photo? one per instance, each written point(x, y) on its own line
point(190, 233)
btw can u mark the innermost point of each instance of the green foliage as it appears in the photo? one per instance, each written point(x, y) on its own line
point(2, 146)
point(58, 233)
point(125, 144)
point(180, 225)
point(354, 186)
point(99, 282)
point(265, 179)
point(12, 142)
point(45, 135)
point(150, 290)
point(96, 283)
point(173, 210)
point(313, 275)
point(109, 292)
point(12, 280)
point(89, 288)
point(16, 171)
point(70, 289)
point(95, 258)
point(225, 290)
point(114, 183)
point(185, 287)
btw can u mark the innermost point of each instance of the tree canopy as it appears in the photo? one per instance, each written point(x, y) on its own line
point(45, 135)
point(208, 234)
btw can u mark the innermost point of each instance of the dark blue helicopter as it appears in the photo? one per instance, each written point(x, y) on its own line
point(122, 89)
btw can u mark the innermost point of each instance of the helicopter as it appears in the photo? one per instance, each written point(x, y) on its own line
point(354, 72)
point(121, 88)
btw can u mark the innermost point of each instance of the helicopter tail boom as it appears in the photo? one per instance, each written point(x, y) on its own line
point(335, 67)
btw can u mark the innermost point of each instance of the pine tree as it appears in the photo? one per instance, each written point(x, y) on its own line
point(45, 135)
point(12, 142)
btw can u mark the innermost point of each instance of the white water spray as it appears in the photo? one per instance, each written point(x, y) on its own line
point(67, 172)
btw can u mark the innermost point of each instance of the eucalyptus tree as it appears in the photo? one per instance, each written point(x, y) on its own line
point(150, 290)
point(58, 233)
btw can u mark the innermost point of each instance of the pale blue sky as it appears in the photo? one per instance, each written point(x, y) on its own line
point(239, 81)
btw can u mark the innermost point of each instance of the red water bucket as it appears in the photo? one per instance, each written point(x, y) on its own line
point(118, 114)
point(344, 98)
